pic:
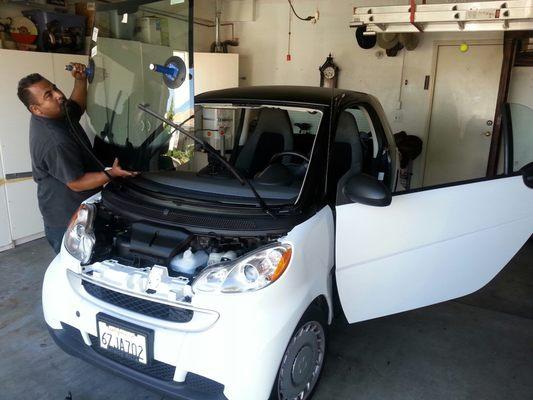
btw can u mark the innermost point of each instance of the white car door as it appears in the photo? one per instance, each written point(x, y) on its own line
point(429, 245)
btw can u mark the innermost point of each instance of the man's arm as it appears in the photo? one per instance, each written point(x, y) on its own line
point(79, 93)
point(94, 180)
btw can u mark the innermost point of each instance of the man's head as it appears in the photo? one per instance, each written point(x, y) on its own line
point(40, 96)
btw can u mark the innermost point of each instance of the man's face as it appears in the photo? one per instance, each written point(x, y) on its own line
point(47, 100)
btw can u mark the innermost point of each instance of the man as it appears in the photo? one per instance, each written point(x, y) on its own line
point(65, 172)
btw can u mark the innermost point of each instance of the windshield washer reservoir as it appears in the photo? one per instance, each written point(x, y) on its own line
point(188, 261)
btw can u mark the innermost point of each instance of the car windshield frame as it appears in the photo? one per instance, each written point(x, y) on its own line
point(249, 200)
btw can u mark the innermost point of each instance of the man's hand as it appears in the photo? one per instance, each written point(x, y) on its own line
point(95, 180)
point(79, 93)
point(116, 171)
point(78, 71)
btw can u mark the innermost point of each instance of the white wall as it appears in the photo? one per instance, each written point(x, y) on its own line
point(263, 49)
point(204, 36)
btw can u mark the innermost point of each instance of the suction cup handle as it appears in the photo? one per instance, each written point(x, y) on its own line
point(171, 71)
point(89, 70)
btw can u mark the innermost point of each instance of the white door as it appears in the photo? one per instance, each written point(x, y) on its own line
point(464, 101)
point(428, 246)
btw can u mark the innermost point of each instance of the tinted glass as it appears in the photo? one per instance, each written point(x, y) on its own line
point(522, 120)
point(130, 40)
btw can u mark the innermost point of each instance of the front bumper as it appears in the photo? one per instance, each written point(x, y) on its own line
point(240, 351)
point(195, 387)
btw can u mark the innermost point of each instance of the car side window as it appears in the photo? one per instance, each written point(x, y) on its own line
point(374, 148)
point(359, 147)
point(364, 125)
point(522, 140)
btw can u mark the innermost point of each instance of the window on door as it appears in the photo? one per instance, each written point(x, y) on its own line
point(360, 147)
point(522, 123)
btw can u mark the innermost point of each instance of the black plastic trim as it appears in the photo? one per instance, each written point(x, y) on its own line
point(527, 174)
point(135, 206)
point(18, 175)
point(508, 140)
point(458, 183)
point(138, 305)
point(76, 347)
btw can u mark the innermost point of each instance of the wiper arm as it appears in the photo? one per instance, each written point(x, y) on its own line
point(242, 180)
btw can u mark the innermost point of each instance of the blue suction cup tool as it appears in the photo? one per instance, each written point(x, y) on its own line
point(174, 72)
point(89, 70)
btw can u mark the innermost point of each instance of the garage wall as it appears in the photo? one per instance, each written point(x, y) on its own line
point(204, 36)
point(263, 52)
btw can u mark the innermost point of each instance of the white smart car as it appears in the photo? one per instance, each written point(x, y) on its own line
point(217, 279)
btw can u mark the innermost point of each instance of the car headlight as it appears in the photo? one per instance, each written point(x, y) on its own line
point(249, 273)
point(79, 237)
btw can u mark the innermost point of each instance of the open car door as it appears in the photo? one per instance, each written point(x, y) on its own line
point(432, 244)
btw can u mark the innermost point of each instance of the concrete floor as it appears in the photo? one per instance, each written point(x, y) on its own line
point(477, 347)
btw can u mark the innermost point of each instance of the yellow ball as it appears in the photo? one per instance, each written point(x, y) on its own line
point(463, 47)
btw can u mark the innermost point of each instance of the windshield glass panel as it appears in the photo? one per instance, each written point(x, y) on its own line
point(140, 54)
point(269, 146)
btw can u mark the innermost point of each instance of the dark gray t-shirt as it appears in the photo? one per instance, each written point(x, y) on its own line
point(58, 159)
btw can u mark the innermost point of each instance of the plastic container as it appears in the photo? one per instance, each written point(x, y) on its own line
point(188, 261)
point(215, 257)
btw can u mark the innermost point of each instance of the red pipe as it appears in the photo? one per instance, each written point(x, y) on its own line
point(412, 10)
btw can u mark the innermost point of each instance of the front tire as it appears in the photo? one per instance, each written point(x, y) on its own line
point(303, 361)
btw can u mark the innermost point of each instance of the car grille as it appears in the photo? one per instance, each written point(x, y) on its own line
point(138, 305)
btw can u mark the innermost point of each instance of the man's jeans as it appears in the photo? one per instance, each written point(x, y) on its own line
point(55, 237)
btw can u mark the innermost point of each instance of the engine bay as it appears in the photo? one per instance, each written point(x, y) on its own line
point(141, 246)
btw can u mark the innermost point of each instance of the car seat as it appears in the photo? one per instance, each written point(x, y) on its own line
point(273, 134)
point(348, 154)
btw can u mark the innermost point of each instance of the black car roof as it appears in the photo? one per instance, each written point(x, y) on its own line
point(280, 95)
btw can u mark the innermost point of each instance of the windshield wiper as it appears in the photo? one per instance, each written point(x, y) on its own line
point(207, 147)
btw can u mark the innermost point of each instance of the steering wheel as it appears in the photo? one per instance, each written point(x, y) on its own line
point(289, 153)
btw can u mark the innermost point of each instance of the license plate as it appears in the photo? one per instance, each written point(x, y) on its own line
point(123, 342)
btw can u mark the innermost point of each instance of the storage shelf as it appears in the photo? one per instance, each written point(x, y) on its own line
point(448, 17)
point(38, 6)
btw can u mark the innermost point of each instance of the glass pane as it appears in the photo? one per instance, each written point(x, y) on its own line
point(132, 45)
point(522, 120)
point(249, 138)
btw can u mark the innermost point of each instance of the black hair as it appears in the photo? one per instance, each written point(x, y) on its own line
point(23, 92)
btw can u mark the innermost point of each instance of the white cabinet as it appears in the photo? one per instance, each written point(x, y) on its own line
point(14, 116)
point(21, 202)
point(20, 218)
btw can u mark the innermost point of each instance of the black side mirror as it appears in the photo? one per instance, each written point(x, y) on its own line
point(527, 174)
point(366, 189)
